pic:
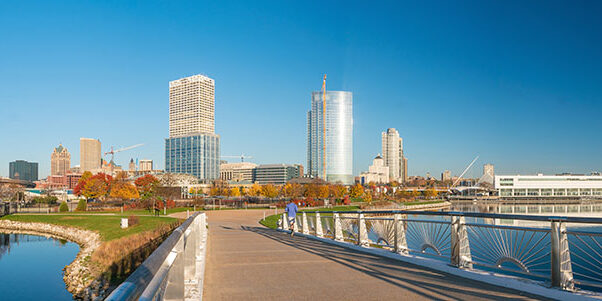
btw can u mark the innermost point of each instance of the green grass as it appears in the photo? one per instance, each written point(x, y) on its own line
point(141, 212)
point(272, 220)
point(421, 203)
point(107, 226)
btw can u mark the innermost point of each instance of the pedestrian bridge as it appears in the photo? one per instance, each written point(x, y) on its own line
point(372, 256)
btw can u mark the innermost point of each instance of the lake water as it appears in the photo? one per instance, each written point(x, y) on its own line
point(31, 267)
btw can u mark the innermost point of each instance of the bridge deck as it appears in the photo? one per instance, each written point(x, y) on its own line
point(246, 261)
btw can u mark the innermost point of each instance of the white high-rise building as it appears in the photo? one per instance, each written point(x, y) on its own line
point(192, 147)
point(146, 165)
point(339, 137)
point(392, 146)
point(191, 106)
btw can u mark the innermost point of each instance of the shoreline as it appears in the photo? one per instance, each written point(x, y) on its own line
point(77, 272)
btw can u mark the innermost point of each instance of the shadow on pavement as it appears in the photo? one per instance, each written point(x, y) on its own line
point(403, 275)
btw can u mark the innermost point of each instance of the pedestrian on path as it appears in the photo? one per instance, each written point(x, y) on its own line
point(291, 211)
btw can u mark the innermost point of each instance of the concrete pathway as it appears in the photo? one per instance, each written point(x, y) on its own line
point(246, 261)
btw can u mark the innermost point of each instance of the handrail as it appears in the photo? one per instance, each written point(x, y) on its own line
point(534, 251)
point(565, 219)
point(150, 277)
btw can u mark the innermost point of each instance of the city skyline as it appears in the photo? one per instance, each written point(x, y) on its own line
point(500, 98)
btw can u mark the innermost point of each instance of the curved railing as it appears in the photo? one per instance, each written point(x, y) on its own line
point(554, 249)
point(174, 270)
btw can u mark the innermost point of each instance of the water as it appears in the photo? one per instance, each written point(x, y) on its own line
point(31, 267)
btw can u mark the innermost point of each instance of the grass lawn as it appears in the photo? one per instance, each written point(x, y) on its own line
point(106, 225)
point(125, 213)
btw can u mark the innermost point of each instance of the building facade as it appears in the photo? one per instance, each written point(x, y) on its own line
point(378, 172)
point(23, 170)
point(192, 147)
point(145, 165)
point(132, 165)
point(60, 161)
point(392, 147)
point(404, 174)
point(339, 137)
point(446, 176)
point(277, 174)
point(237, 172)
point(196, 155)
point(549, 186)
point(191, 106)
point(89, 154)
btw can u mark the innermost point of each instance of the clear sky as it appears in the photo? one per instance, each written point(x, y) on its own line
point(517, 82)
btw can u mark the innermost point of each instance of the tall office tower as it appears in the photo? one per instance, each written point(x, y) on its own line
point(446, 176)
point(404, 174)
point(192, 147)
point(392, 146)
point(60, 161)
point(89, 154)
point(488, 174)
point(23, 170)
point(339, 137)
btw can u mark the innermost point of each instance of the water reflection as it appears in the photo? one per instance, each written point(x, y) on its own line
point(31, 267)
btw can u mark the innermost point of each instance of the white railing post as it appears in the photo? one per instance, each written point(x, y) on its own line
point(338, 230)
point(460, 247)
point(561, 270)
point(401, 243)
point(305, 225)
point(319, 232)
point(362, 231)
point(190, 246)
point(284, 221)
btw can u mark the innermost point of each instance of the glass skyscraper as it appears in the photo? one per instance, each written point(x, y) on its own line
point(192, 147)
point(339, 137)
point(23, 170)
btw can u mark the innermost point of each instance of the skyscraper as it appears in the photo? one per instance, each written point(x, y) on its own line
point(339, 137)
point(392, 146)
point(89, 154)
point(23, 170)
point(60, 161)
point(192, 147)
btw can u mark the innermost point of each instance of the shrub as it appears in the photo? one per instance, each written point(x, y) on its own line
point(64, 207)
point(133, 220)
point(82, 205)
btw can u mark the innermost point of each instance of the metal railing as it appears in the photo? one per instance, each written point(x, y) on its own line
point(563, 258)
point(175, 270)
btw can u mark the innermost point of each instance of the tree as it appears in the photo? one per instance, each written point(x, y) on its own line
point(430, 193)
point(235, 192)
point(337, 191)
point(311, 191)
point(357, 191)
point(77, 190)
point(269, 191)
point(97, 186)
point(63, 207)
point(292, 190)
point(124, 191)
point(367, 197)
point(255, 190)
point(82, 205)
point(147, 186)
point(323, 191)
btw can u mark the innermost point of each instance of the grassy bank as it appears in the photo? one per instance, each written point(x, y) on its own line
point(108, 226)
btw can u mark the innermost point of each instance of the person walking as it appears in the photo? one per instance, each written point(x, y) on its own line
point(291, 212)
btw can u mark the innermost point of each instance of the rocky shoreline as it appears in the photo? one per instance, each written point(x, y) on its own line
point(78, 274)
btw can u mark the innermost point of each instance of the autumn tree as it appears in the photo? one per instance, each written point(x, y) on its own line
point(292, 190)
point(77, 190)
point(367, 197)
point(357, 191)
point(255, 190)
point(235, 192)
point(269, 191)
point(430, 193)
point(146, 186)
point(124, 190)
point(97, 186)
point(311, 191)
point(323, 191)
point(337, 191)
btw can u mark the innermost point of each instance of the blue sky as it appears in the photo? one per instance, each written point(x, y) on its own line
point(517, 82)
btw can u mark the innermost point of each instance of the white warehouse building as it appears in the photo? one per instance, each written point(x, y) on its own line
point(549, 186)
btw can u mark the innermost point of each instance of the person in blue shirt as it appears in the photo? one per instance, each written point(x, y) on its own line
point(291, 211)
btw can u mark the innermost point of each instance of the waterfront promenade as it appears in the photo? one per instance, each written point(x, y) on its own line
point(246, 261)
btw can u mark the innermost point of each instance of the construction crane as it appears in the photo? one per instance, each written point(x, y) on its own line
point(112, 152)
point(241, 156)
point(324, 128)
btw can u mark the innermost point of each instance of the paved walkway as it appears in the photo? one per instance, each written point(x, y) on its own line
point(246, 261)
